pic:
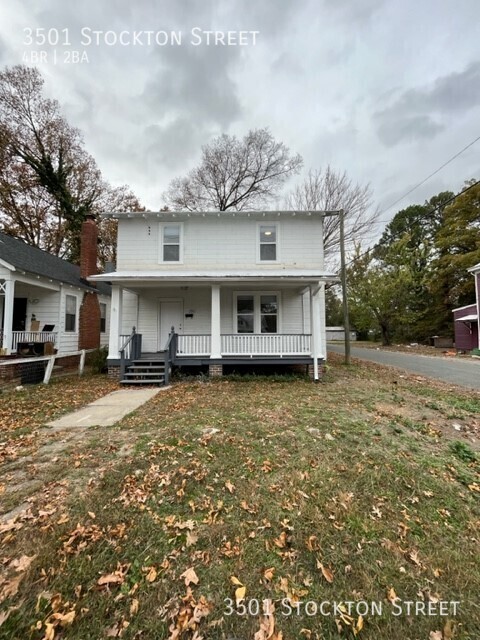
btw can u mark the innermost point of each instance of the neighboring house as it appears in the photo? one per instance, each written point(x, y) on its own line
point(466, 319)
point(236, 287)
point(46, 303)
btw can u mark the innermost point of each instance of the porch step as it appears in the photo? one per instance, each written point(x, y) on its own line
point(145, 371)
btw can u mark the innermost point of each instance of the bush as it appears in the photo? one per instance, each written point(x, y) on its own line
point(98, 360)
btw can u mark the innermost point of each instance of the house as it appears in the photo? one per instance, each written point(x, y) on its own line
point(216, 289)
point(335, 334)
point(46, 303)
point(466, 319)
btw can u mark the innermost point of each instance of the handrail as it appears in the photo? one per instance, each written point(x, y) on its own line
point(135, 340)
point(170, 353)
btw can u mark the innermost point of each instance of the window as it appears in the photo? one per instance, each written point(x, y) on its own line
point(103, 317)
point(257, 312)
point(171, 242)
point(268, 242)
point(70, 313)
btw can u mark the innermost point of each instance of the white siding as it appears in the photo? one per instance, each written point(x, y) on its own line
point(68, 340)
point(220, 242)
point(129, 312)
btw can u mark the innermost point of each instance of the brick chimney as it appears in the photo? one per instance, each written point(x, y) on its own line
point(89, 320)
point(88, 248)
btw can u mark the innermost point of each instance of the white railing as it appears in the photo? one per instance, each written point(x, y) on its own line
point(265, 344)
point(32, 336)
point(190, 345)
point(247, 344)
point(122, 340)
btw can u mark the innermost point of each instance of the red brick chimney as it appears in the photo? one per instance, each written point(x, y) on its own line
point(89, 320)
point(88, 248)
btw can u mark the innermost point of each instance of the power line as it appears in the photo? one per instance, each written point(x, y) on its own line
point(459, 153)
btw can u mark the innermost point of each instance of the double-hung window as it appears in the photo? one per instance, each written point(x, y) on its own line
point(70, 313)
point(103, 317)
point(171, 243)
point(256, 312)
point(267, 242)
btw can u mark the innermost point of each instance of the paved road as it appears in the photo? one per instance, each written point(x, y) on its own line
point(465, 373)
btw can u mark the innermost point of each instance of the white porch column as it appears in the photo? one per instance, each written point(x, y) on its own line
point(115, 322)
point(315, 327)
point(8, 315)
point(216, 343)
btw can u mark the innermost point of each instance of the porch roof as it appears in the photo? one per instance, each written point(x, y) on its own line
point(205, 275)
point(470, 318)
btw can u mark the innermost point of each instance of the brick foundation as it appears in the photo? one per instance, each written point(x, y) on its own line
point(215, 370)
point(114, 372)
point(311, 371)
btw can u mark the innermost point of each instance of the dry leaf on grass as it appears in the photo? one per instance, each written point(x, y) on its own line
point(190, 576)
point(326, 572)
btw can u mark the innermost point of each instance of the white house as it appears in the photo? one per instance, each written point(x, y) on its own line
point(216, 289)
point(46, 303)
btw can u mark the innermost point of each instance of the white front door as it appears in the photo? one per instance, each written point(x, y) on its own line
point(170, 315)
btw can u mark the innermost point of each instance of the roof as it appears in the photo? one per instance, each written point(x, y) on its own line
point(168, 215)
point(24, 257)
point(475, 268)
point(470, 318)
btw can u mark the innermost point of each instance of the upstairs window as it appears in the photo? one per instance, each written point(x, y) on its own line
point(70, 313)
point(171, 250)
point(268, 242)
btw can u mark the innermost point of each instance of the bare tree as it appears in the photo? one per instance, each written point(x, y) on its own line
point(235, 174)
point(48, 182)
point(330, 190)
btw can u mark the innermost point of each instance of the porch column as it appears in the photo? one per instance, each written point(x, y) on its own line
point(115, 322)
point(315, 327)
point(8, 315)
point(216, 343)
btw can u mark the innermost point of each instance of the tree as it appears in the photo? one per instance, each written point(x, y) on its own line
point(235, 174)
point(333, 308)
point(382, 293)
point(48, 182)
point(331, 190)
point(458, 245)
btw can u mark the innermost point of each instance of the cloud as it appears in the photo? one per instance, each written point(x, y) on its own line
point(423, 113)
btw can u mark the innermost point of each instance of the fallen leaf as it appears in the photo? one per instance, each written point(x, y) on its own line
point(134, 607)
point(236, 581)
point(22, 563)
point(435, 635)
point(230, 486)
point(391, 595)
point(327, 574)
point(190, 576)
point(269, 573)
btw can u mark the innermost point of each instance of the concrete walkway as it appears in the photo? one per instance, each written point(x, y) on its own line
point(107, 410)
point(465, 373)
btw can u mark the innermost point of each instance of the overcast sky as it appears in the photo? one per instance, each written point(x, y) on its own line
point(385, 89)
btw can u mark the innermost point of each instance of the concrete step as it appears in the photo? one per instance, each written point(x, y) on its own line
point(149, 381)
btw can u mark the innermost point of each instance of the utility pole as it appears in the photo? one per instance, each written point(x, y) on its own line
point(346, 317)
point(343, 277)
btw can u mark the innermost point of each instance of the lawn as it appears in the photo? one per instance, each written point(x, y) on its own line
point(347, 509)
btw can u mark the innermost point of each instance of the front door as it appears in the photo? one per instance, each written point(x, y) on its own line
point(170, 315)
point(19, 321)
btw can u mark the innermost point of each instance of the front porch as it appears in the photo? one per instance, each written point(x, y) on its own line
point(216, 325)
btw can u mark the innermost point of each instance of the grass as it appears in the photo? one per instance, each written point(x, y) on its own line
point(356, 490)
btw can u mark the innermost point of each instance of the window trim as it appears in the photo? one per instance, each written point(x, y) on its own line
point(268, 223)
point(257, 314)
point(161, 244)
point(74, 330)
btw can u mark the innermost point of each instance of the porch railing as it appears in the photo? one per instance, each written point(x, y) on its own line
point(32, 336)
point(247, 344)
point(265, 344)
point(192, 345)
